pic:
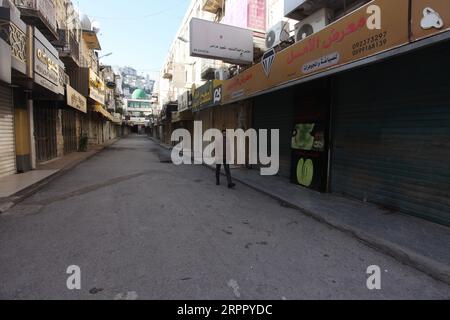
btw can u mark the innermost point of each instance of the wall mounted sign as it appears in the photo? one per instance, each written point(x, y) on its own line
point(46, 64)
point(367, 31)
point(184, 101)
point(208, 95)
point(221, 42)
point(76, 100)
point(429, 17)
point(96, 88)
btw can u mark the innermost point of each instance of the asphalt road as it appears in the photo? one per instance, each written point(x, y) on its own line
point(141, 228)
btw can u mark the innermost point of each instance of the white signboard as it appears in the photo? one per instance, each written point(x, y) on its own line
point(184, 101)
point(221, 42)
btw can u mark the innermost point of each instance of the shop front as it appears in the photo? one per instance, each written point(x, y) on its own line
point(391, 131)
point(391, 137)
point(48, 93)
point(204, 99)
point(72, 116)
point(16, 123)
point(363, 106)
point(7, 148)
point(97, 114)
point(166, 122)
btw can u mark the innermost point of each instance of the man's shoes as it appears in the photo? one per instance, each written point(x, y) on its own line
point(231, 186)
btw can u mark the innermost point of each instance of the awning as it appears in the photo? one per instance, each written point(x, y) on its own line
point(98, 108)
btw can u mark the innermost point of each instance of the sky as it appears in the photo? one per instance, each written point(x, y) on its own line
point(138, 32)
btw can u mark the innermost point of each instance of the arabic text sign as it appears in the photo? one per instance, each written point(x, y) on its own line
point(76, 100)
point(96, 88)
point(208, 95)
point(222, 42)
point(46, 64)
point(429, 17)
point(351, 38)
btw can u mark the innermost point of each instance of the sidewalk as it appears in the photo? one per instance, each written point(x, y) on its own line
point(415, 242)
point(15, 188)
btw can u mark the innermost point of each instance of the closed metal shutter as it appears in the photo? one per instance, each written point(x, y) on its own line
point(392, 134)
point(275, 111)
point(45, 117)
point(7, 153)
point(69, 131)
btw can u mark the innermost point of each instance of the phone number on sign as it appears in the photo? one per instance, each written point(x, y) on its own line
point(371, 43)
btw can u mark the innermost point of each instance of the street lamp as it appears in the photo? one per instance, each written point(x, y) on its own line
point(106, 55)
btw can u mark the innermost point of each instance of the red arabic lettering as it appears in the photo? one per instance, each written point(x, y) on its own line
point(338, 36)
point(312, 45)
point(239, 81)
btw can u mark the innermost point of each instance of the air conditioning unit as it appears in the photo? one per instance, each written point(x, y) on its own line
point(277, 34)
point(222, 74)
point(313, 23)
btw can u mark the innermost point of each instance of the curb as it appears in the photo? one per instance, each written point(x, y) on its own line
point(436, 270)
point(34, 188)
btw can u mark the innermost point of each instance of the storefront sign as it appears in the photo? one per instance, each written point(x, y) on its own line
point(208, 95)
point(184, 101)
point(429, 17)
point(76, 100)
point(46, 64)
point(367, 31)
point(96, 88)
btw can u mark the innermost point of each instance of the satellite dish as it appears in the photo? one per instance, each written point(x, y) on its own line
point(270, 39)
point(305, 31)
point(86, 23)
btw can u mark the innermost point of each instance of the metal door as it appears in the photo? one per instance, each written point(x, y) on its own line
point(45, 116)
point(7, 153)
point(69, 131)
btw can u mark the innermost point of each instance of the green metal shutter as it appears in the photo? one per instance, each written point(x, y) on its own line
point(392, 134)
point(275, 111)
point(7, 147)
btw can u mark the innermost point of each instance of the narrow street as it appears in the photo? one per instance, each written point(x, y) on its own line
point(141, 228)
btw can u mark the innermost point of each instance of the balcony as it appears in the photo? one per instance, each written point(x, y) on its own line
point(168, 71)
point(14, 32)
point(39, 13)
point(68, 48)
point(213, 6)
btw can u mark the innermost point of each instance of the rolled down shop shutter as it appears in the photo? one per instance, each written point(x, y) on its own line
point(392, 134)
point(7, 153)
point(275, 111)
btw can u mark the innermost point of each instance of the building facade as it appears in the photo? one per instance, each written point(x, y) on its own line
point(52, 93)
point(358, 111)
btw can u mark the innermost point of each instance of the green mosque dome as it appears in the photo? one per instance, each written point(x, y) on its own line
point(139, 94)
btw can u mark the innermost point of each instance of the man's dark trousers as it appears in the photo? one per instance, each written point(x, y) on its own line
point(227, 171)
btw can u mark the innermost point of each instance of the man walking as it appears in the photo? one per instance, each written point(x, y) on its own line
point(231, 185)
